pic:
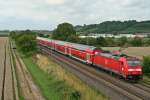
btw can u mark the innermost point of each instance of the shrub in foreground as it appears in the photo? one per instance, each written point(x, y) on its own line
point(25, 41)
point(146, 65)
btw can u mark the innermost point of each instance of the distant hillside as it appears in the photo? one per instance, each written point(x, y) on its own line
point(130, 26)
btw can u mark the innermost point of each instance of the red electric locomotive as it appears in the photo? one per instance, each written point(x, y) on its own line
point(125, 66)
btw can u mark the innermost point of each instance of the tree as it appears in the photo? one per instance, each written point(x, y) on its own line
point(64, 31)
point(25, 41)
point(110, 41)
point(73, 38)
point(26, 44)
point(136, 42)
point(82, 41)
point(90, 41)
point(146, 65)
point(148, 42)
point(13, 34)
point(122, 41)
point(101, 41)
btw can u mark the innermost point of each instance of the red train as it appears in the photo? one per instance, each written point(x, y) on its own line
point(122, 65)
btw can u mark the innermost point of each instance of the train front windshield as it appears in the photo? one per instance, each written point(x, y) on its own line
point(133, 63)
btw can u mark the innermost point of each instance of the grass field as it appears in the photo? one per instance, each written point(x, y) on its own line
point(138, 52)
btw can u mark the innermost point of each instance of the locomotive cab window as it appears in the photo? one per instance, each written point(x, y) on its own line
point(133, 63)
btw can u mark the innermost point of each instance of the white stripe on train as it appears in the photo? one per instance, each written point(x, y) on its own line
point(134, 69)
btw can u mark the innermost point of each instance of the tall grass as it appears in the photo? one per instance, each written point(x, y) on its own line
point(55, 70)
point(51, 88)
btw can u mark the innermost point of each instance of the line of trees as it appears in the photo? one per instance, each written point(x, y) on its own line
point(123, 41)
point(106, 42)
point(25, 41)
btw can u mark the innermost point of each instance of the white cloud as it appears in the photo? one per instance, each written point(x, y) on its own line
point(55, 1)
point(46, 14)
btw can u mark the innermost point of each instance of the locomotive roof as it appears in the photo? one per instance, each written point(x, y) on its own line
point(117, 56)
point(110, 55)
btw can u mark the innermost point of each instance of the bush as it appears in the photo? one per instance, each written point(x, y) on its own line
point(75, 95)
point(136, 42)
point(122, 41)
point(148, 42)
point(146, 65)
point(101, 41)
point(25, 41)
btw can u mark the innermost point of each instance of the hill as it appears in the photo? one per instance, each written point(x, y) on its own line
point(131, 26)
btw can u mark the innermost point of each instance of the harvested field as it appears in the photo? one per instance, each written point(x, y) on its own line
point(138, 52)
point(8, 87)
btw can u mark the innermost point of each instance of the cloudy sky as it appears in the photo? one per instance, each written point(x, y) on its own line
point(47, 14)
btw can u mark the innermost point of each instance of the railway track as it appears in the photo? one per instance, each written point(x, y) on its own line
point(24, 79)
point(143, 87)
point(124, 90)
point(27, 87)
point(8, 84)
